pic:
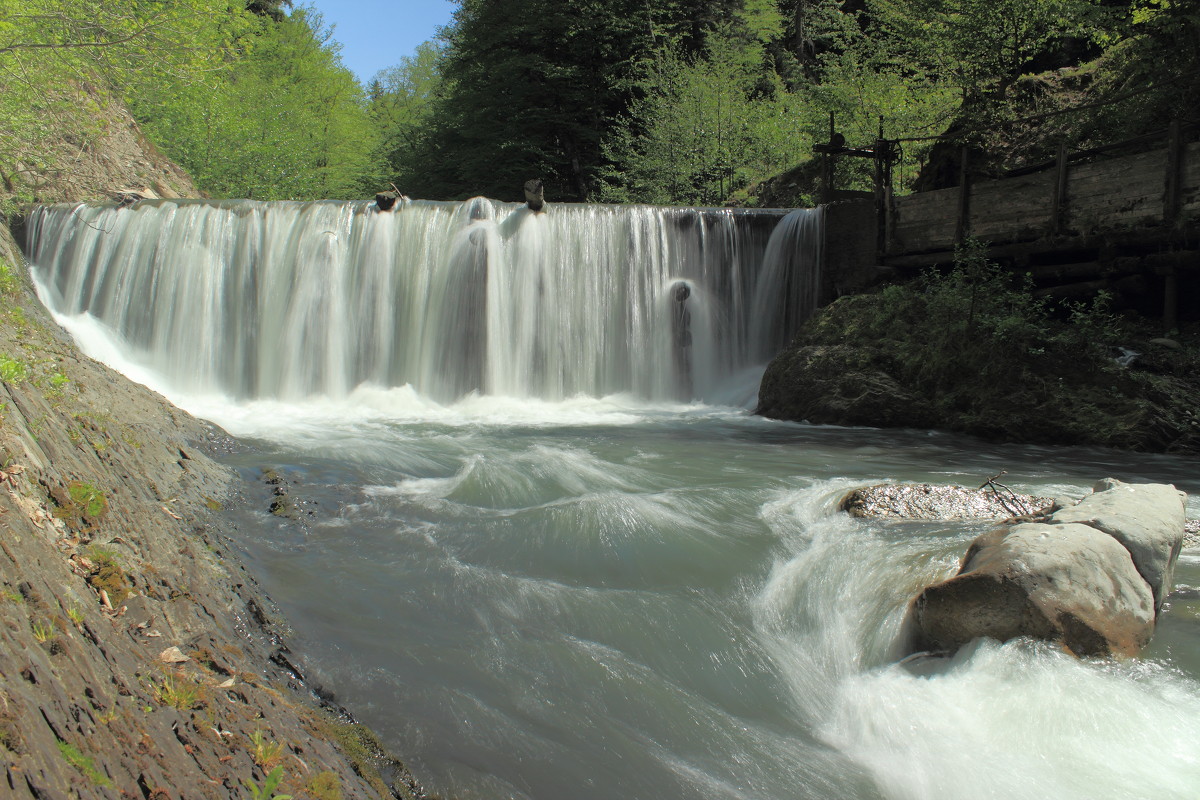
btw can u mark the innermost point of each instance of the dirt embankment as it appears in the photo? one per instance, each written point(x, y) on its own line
point(108, 157)
point(137, 657)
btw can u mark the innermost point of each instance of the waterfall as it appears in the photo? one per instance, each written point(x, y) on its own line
point(292, 300)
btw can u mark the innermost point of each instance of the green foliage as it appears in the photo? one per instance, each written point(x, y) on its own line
point(90, 500)
point(681, 101)
point(284, 119)
point(84, 764)
point(9, 285)
point(269, 785)
point(701, 133)
point(978, 319)
point(253, 102)
point(402, 104)
point(981, 45)
point(529, 91)
point(12, 370)
point(984, 352)
point(60, 58)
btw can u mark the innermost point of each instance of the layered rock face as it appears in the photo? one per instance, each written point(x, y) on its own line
point(1091, 577)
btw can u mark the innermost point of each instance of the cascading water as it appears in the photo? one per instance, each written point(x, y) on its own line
point(291, 300)
point(566, 583)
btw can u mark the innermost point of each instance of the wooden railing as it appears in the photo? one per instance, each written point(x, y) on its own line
point(1079, 194)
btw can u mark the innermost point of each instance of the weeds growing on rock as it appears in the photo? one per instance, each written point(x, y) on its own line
point(58, 386)
point(90, 500)
point(42, 631)
point(84, 764)
point(178, 692)
point(12, 370)
point(266, 751)
point(269, 785)
point(102, 556)
point(9, 285)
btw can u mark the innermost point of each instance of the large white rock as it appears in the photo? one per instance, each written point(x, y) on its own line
point(1067, 582)
point(1147, 519)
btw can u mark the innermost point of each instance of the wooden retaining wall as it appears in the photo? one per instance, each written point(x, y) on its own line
point(1113, 194)
point(1105, 219)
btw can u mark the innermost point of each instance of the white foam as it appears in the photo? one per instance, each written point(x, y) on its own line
point(1018, 720)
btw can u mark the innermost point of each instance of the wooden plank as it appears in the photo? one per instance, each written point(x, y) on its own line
point(1189, 183)
point(1058, 204)
point(1172, 178)
point(963, 230)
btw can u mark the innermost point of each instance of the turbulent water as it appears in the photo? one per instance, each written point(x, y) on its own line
point(586, 571)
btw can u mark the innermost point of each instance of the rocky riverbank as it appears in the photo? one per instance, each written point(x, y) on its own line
point(137, 657)
point(954, 358)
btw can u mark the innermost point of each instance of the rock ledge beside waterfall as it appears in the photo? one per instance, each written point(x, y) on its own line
point(137, 657)
point(852, 364)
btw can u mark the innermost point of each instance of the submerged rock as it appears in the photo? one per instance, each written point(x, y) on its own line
point(1091, 577)
point(925, 501)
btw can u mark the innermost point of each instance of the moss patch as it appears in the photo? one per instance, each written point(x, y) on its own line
point(368, 756)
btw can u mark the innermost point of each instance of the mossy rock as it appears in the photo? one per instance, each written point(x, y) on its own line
point(111, 578)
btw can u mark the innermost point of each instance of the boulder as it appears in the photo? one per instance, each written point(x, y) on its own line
point(1091, 576)
point(837, 385)
point(926, 501)
point(1067, 583)
point(1147, 519)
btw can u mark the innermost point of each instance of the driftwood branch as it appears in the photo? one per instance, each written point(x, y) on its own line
point(1011, 503)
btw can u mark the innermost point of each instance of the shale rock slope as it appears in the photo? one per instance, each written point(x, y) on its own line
point(135, 660)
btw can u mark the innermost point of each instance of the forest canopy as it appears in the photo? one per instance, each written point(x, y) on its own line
point(684, 101)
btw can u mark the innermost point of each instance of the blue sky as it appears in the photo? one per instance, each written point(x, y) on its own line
point(376, 34)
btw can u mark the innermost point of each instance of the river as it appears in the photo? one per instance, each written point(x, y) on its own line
point(586, 570)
